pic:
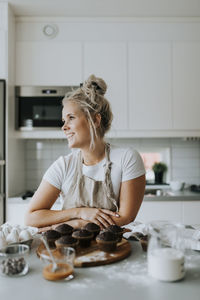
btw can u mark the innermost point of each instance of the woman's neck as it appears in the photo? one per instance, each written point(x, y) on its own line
point(94, 156)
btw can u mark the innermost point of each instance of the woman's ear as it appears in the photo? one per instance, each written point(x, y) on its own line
point(97, 120)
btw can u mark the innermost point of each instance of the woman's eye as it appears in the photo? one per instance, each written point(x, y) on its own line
point(71, 117)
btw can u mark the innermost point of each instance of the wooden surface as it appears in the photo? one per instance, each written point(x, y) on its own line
point(93, 256)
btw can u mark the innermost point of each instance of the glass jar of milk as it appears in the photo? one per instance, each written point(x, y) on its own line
point(165, 261)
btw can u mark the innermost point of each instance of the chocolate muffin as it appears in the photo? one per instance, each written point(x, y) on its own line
point(116, 230)
point(83, 236)
point(93, 228)
point(64, 229)
point(66, 241)
point(51, 236)
point(107, 241)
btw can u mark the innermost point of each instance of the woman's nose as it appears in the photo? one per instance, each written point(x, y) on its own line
point(65, 126)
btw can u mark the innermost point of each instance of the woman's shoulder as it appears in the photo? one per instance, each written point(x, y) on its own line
point(122, 152)
point(68, 159)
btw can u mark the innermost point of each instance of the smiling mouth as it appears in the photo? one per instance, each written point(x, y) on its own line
point(69, 135)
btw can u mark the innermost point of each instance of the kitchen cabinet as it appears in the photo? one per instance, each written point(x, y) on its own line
point(191, 212)
point(160, 210)
point(48, 63)
point(109, 61)
point(3, 53)
point(186, 85)
point(16, 208)
point(149, 70)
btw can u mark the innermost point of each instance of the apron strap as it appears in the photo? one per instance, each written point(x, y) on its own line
point(107, 181)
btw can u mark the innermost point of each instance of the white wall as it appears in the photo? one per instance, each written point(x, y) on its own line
point(185, 157)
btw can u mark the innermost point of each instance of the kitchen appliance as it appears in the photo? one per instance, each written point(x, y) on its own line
point(40, 106)
point(2, 149)
point(195, 188)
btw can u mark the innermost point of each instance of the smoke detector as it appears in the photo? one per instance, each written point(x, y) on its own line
point(50, 30)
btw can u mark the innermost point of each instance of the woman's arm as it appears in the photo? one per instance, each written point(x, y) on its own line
point(131, 196)
point(40, 215)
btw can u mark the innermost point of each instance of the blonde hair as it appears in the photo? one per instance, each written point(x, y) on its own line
point(90, 98)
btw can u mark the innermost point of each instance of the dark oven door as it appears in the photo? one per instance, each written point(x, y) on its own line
point(43, 111)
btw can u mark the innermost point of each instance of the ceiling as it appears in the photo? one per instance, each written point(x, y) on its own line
point(106, 8)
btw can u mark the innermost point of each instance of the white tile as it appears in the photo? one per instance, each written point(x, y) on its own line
point(185, 163)
point(31, 144)
point(186, 152)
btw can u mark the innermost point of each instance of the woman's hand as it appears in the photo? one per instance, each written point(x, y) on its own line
point(102, 217)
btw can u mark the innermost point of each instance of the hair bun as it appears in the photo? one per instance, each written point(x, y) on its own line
point(95, 84)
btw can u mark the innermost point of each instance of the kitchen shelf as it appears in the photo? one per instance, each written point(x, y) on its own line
point(58, 134)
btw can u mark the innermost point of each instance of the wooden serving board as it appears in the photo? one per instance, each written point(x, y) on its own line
point(93, 256)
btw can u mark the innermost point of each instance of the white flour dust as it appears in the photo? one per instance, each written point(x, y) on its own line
point(131, 273)
point(97, 256)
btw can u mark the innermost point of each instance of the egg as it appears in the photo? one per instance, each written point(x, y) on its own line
point(6, 230)
point(13, 236)
point(25, 235)
point(3, 242)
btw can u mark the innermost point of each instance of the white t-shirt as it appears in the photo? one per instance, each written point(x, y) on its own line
point(127, 164)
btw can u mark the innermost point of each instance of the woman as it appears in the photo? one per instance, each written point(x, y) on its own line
point(98, 183)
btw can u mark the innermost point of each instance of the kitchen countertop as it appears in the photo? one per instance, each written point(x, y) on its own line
point(168, 195)
point(127, 279)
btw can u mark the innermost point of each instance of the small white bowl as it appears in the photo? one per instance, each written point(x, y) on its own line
point(177, 185)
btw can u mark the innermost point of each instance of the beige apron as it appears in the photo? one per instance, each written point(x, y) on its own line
point(86, 192)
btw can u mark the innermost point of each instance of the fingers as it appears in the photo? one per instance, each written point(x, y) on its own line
point(110, 212)
point(102, 221)
point(98, 223)
point(107, 218)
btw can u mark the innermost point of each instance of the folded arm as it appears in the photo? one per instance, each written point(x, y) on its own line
point(131, 197)
point(39, 213)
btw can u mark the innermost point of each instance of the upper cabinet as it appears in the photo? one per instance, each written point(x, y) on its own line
point(152, 69)
point(3, 56)
point(48, 63)
point(186, 85)
point(149, 69)
point(108, 60)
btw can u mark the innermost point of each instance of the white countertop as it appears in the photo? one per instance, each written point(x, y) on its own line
point(168, 195)
point(127, 279)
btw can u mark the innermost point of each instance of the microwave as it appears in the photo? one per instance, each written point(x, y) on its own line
point(39, 107)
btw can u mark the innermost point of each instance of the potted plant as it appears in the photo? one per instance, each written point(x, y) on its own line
point(159, 169)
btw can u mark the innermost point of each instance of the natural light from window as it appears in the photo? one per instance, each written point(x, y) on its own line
point(150, 156)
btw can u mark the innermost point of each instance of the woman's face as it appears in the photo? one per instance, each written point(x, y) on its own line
point(76, 127)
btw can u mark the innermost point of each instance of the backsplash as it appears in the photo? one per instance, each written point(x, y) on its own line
point(184, 155)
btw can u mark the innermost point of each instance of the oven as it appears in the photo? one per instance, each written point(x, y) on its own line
point(40, 106)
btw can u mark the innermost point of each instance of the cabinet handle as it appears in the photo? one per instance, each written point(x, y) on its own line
point(2, 163)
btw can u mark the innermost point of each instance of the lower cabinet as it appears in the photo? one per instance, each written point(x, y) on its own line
point(157, 210)
point(15, 212)
point(186, 212)
point(191, 212)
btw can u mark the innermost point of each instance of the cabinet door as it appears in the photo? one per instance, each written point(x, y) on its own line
point(3, 56)
point(157, 210)
point(191, 213)
point(46, 63)
point(108, 60)
point(150, 86)
point(186, 85)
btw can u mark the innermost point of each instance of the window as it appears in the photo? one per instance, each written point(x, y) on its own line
point(150, 156)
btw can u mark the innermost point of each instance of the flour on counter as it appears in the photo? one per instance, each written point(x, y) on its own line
point(95, 257)
point(133, 273)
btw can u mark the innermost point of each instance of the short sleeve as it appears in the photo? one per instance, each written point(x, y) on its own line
point(55, 173)
point(132, 165)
